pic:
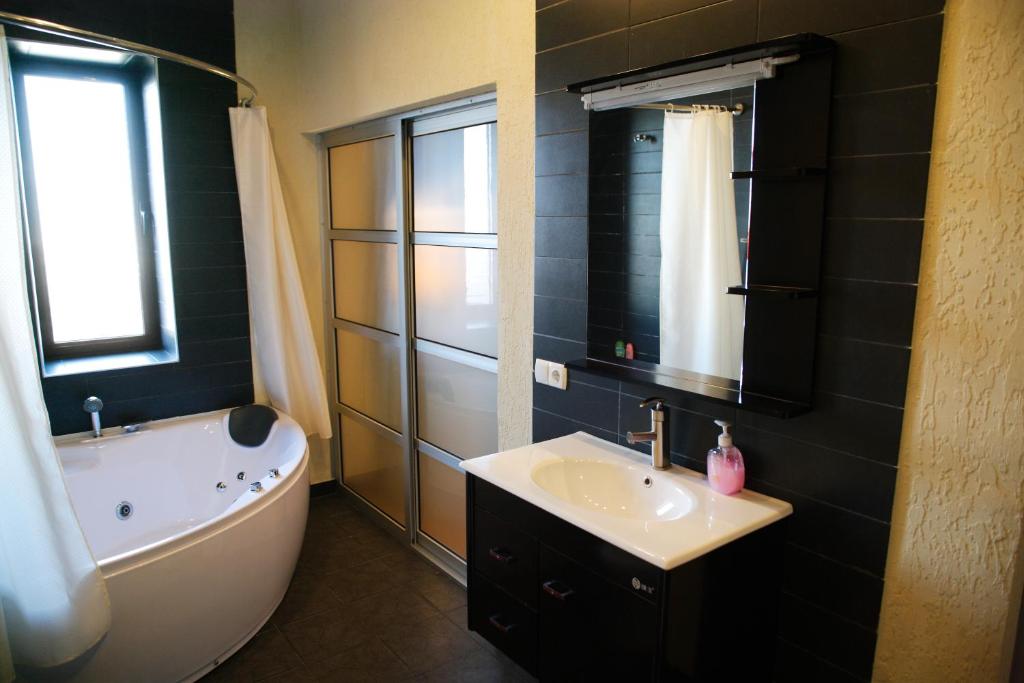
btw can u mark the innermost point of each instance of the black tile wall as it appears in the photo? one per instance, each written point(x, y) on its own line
point(836, 464)
point(207, 258)
point(731, 22)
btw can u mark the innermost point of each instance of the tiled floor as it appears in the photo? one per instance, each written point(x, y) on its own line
point(363, 607)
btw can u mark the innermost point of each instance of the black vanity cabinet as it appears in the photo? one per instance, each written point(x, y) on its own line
point(568, 606)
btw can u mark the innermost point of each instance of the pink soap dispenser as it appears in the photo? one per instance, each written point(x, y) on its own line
point(725, 464)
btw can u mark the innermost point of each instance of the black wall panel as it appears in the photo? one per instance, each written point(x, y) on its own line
point(837, 464)
point(207, 258)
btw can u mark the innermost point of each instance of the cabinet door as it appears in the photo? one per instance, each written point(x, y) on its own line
point(589, 628)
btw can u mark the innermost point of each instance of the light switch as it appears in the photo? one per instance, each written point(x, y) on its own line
point(541, 368)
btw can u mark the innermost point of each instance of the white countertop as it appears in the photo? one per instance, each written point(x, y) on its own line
point(622, 508)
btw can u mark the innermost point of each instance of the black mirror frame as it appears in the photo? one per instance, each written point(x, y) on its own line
point(789, 175)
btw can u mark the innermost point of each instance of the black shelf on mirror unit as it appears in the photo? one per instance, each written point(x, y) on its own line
point(779, 291)
point(797, 173)
point(716, 390)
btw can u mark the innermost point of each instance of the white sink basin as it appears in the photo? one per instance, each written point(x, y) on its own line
point(610, 488)
point(603, 488)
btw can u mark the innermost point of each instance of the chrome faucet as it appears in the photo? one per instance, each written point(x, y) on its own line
point(658, 436)
point(93, 405)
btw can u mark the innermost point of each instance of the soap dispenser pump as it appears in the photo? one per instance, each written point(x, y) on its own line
point(725, 463)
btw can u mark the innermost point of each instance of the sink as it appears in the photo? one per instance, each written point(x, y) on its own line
point(614, 489)
point(665, 517)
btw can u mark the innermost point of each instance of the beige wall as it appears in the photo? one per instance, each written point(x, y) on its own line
point(952, 583)
point(322, 64)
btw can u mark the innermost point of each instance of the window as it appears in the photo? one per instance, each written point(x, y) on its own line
point(82, 116)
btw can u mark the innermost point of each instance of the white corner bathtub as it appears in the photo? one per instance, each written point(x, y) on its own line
point(196, 569)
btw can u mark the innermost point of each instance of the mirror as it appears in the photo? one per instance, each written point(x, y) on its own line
point(668, 234)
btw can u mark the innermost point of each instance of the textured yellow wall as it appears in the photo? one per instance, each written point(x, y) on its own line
point(952, 584)
point(321, 64)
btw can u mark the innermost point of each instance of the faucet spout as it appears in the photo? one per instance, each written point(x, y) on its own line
point(658, 436)
point(641, 437)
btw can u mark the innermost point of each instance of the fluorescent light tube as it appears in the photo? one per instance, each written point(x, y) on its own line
point(685, 85)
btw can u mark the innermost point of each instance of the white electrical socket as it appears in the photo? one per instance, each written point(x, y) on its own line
point(550, 373)
point(558, 376)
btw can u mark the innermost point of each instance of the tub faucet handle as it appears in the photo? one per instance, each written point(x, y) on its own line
point(93, 405)
point(256, 487)
point(274, 473)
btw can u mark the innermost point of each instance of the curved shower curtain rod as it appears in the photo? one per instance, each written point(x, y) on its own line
point(127, 46)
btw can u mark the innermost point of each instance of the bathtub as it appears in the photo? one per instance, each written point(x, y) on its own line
point(195, 562)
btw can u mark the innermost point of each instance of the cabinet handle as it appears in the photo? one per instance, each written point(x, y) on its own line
point(501, 555)
point(495, 620)
point(557, 589)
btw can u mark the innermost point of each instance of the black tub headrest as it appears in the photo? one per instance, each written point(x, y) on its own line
point(250, 425)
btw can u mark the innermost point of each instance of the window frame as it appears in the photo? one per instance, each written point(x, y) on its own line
point(132, 77)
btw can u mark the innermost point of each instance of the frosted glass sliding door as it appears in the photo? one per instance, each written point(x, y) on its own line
point(370, 375)
point(455, 180)
point(457, 297)
point(373, 465)
point(443, 503)
point(410, 239)
point(368, 321)
point(366, 284)
point(362, 178)
point(457, 402)
point(455, 283)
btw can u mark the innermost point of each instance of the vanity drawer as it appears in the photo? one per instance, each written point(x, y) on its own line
point(505, 555)
point(505, 623)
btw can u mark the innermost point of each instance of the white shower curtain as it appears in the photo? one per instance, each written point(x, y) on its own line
point(286, 367)
point(701, 326)
point(53, 601)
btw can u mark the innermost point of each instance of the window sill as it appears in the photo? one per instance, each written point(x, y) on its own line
point(117, 361)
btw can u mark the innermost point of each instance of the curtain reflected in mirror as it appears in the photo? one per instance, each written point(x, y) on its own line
point(701, 327)
point(668, 234)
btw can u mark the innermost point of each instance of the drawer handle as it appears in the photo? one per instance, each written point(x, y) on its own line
point(557, 589)
point(495, 620)
point(501, 555)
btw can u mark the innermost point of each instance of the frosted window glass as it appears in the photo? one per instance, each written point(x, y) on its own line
point(457, 406)
point(369, 378)
point(81, 163)
point(366, 283)
point(363, 185)
point(455, 180)
point(372, 465)
point(443, 504)
point(457, 297)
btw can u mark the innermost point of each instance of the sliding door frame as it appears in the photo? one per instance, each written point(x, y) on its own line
point(467, 110)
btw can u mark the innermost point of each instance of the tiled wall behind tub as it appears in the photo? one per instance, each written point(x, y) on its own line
point(837, 464)
point(208, 263)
